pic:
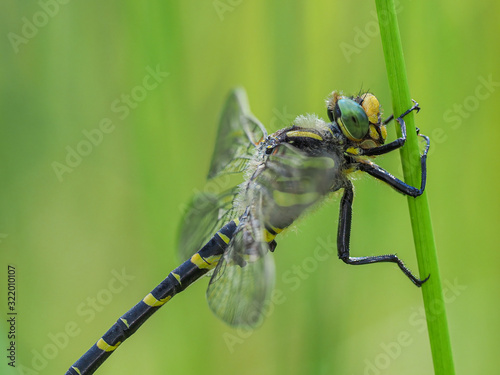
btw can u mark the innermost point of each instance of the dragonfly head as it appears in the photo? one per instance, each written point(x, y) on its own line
point(358, 118)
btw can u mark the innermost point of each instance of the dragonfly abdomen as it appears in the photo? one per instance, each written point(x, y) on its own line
point(176, 281)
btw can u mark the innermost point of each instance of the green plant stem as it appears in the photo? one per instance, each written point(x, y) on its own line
point(423, 237)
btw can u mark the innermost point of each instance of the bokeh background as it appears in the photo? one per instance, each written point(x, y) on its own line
point(71, 223)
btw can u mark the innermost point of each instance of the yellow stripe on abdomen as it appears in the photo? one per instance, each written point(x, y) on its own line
point(103, 345)
point(268, 236)
point(223, 237)
point(150, 300)
point(124, 321)
point(205, 263)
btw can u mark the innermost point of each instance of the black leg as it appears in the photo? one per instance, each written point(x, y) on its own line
point(344, 234)
point(394, 145)
point(380, 173)
point(388, 120)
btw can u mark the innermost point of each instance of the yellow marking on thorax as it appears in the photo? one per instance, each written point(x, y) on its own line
point(330, 130)
point(150, 300)
point(353, 150)
point(298, 133)
point(103, 345)
point(76, 369)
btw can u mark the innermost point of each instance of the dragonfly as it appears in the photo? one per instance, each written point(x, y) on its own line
point(263, 183)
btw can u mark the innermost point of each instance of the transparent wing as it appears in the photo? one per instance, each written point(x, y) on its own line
point(290, 181)
point(244, 278)
point(282, 186)
point(205, 215)
point(239, 132)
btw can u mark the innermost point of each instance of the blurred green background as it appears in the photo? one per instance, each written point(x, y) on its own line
point(69, 68)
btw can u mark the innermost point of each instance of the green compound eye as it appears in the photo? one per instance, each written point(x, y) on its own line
point(352, 119)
